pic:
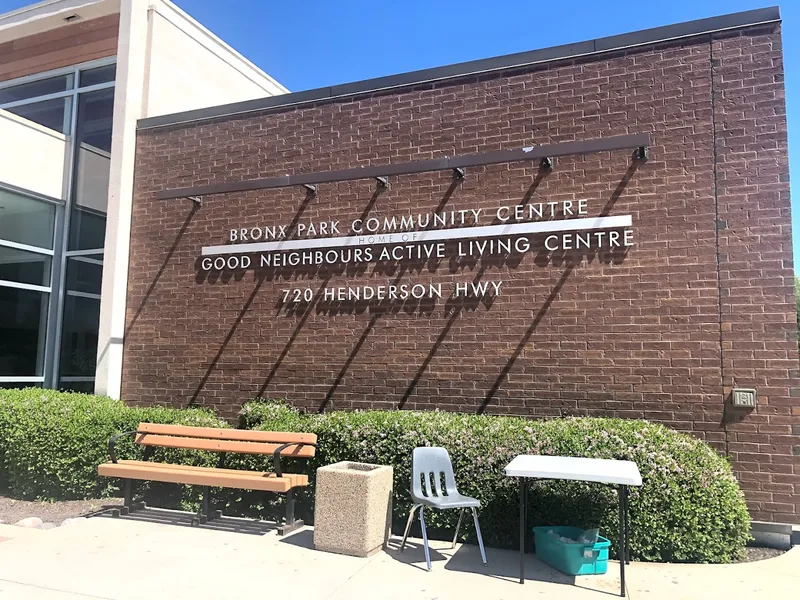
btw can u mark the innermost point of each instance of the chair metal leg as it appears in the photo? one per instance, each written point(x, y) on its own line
point(425, 537)
point(478, 531)
point(408, 525)
point(458, 526)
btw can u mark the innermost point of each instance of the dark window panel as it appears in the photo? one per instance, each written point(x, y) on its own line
point(98, 75)
point(79, 336)
point(26, 220)
point(18, 385)
point(34, 89)
point(21, 266)
point(87, 387)
point(23, 315)
point(53, 114)
point(84, 274)
point(88, 219)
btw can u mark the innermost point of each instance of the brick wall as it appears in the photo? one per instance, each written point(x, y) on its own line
point(703, 300)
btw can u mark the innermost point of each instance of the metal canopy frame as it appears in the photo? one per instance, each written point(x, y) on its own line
point(457, 164)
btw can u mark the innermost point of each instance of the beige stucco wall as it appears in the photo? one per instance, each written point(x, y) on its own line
point(32, 157)
point(166, 62)
point(189, 67)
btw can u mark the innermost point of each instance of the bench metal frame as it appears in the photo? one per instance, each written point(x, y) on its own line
point(206, 513)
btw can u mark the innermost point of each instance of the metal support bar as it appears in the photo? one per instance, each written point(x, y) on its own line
point(312, 189)
point(622, 550)
point(458, 526)
point(425, 537)
point(291, 523)
point(112, 444)
point(206, 501)
point(196, 199)
point(523, 508)
point(626, 491)
point(276, 455)
point(546, 164)
point(478, 531)
point(290, 507)
point(408, 525)
point(533, 153)
point(459, 173)
point(383, 182)
point(128, 494)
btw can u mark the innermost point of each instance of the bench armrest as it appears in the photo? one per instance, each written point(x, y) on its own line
point(111, 443)
point(276, 456)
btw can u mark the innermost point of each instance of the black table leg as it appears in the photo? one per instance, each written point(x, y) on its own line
point(622, 546)
point(523, 509)
point(626, 491)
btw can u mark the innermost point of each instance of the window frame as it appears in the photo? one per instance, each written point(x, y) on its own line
point(60, 254)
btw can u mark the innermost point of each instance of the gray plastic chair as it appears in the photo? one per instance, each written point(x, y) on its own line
point(431, 463)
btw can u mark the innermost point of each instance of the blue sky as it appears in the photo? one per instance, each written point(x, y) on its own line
point(315, 43)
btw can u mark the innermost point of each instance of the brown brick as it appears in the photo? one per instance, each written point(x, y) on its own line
point(661, 332)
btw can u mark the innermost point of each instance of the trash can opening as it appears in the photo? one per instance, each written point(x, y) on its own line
point(356, 466)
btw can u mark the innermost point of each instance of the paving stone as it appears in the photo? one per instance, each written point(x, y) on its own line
point(30, 522)
point(73, 521)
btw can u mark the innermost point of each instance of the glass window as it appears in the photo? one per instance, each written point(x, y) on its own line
point(79, 336)
point(23, 319)
point(35, 89)
point(18, 385)
point(98, 75)
point(26, 220)
point(85, 273)
point(88, 220)
point(87, 229)
point(54, 114)
point(84, 385)
point(24, 267)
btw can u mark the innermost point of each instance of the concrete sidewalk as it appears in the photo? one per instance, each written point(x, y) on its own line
point(134, 558)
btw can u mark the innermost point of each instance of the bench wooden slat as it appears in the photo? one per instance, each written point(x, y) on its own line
point(216, 445)
point(249, 480)
point(296, 478)
point(277, 437)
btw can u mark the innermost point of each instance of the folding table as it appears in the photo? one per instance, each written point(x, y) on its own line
point(620, 472)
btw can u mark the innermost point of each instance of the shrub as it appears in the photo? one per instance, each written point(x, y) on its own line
point(690, 508)
point(52, 442)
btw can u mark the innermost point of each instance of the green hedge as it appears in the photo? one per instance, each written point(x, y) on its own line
point(51, 442)
point(690, 508)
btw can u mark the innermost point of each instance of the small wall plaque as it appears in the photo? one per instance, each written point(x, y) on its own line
point(744, 398)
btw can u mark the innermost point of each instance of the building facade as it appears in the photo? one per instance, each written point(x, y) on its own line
point(74, 79)
point(596, 229)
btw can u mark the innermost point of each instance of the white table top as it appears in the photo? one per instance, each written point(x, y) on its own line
point(623, 472)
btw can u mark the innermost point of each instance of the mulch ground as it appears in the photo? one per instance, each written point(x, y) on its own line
point(12, 510)
point(754, 554)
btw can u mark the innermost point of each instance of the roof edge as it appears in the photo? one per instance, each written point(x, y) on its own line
point(645, 37)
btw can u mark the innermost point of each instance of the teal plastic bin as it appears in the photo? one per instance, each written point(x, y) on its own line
point(573, 558)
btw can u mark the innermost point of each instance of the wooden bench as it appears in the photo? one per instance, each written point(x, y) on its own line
point(223, 441)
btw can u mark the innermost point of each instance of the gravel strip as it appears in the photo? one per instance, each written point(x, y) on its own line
point(754, 554)
point(12, 510)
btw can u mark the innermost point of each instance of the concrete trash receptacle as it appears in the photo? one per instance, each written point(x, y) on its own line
point(353, 508)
